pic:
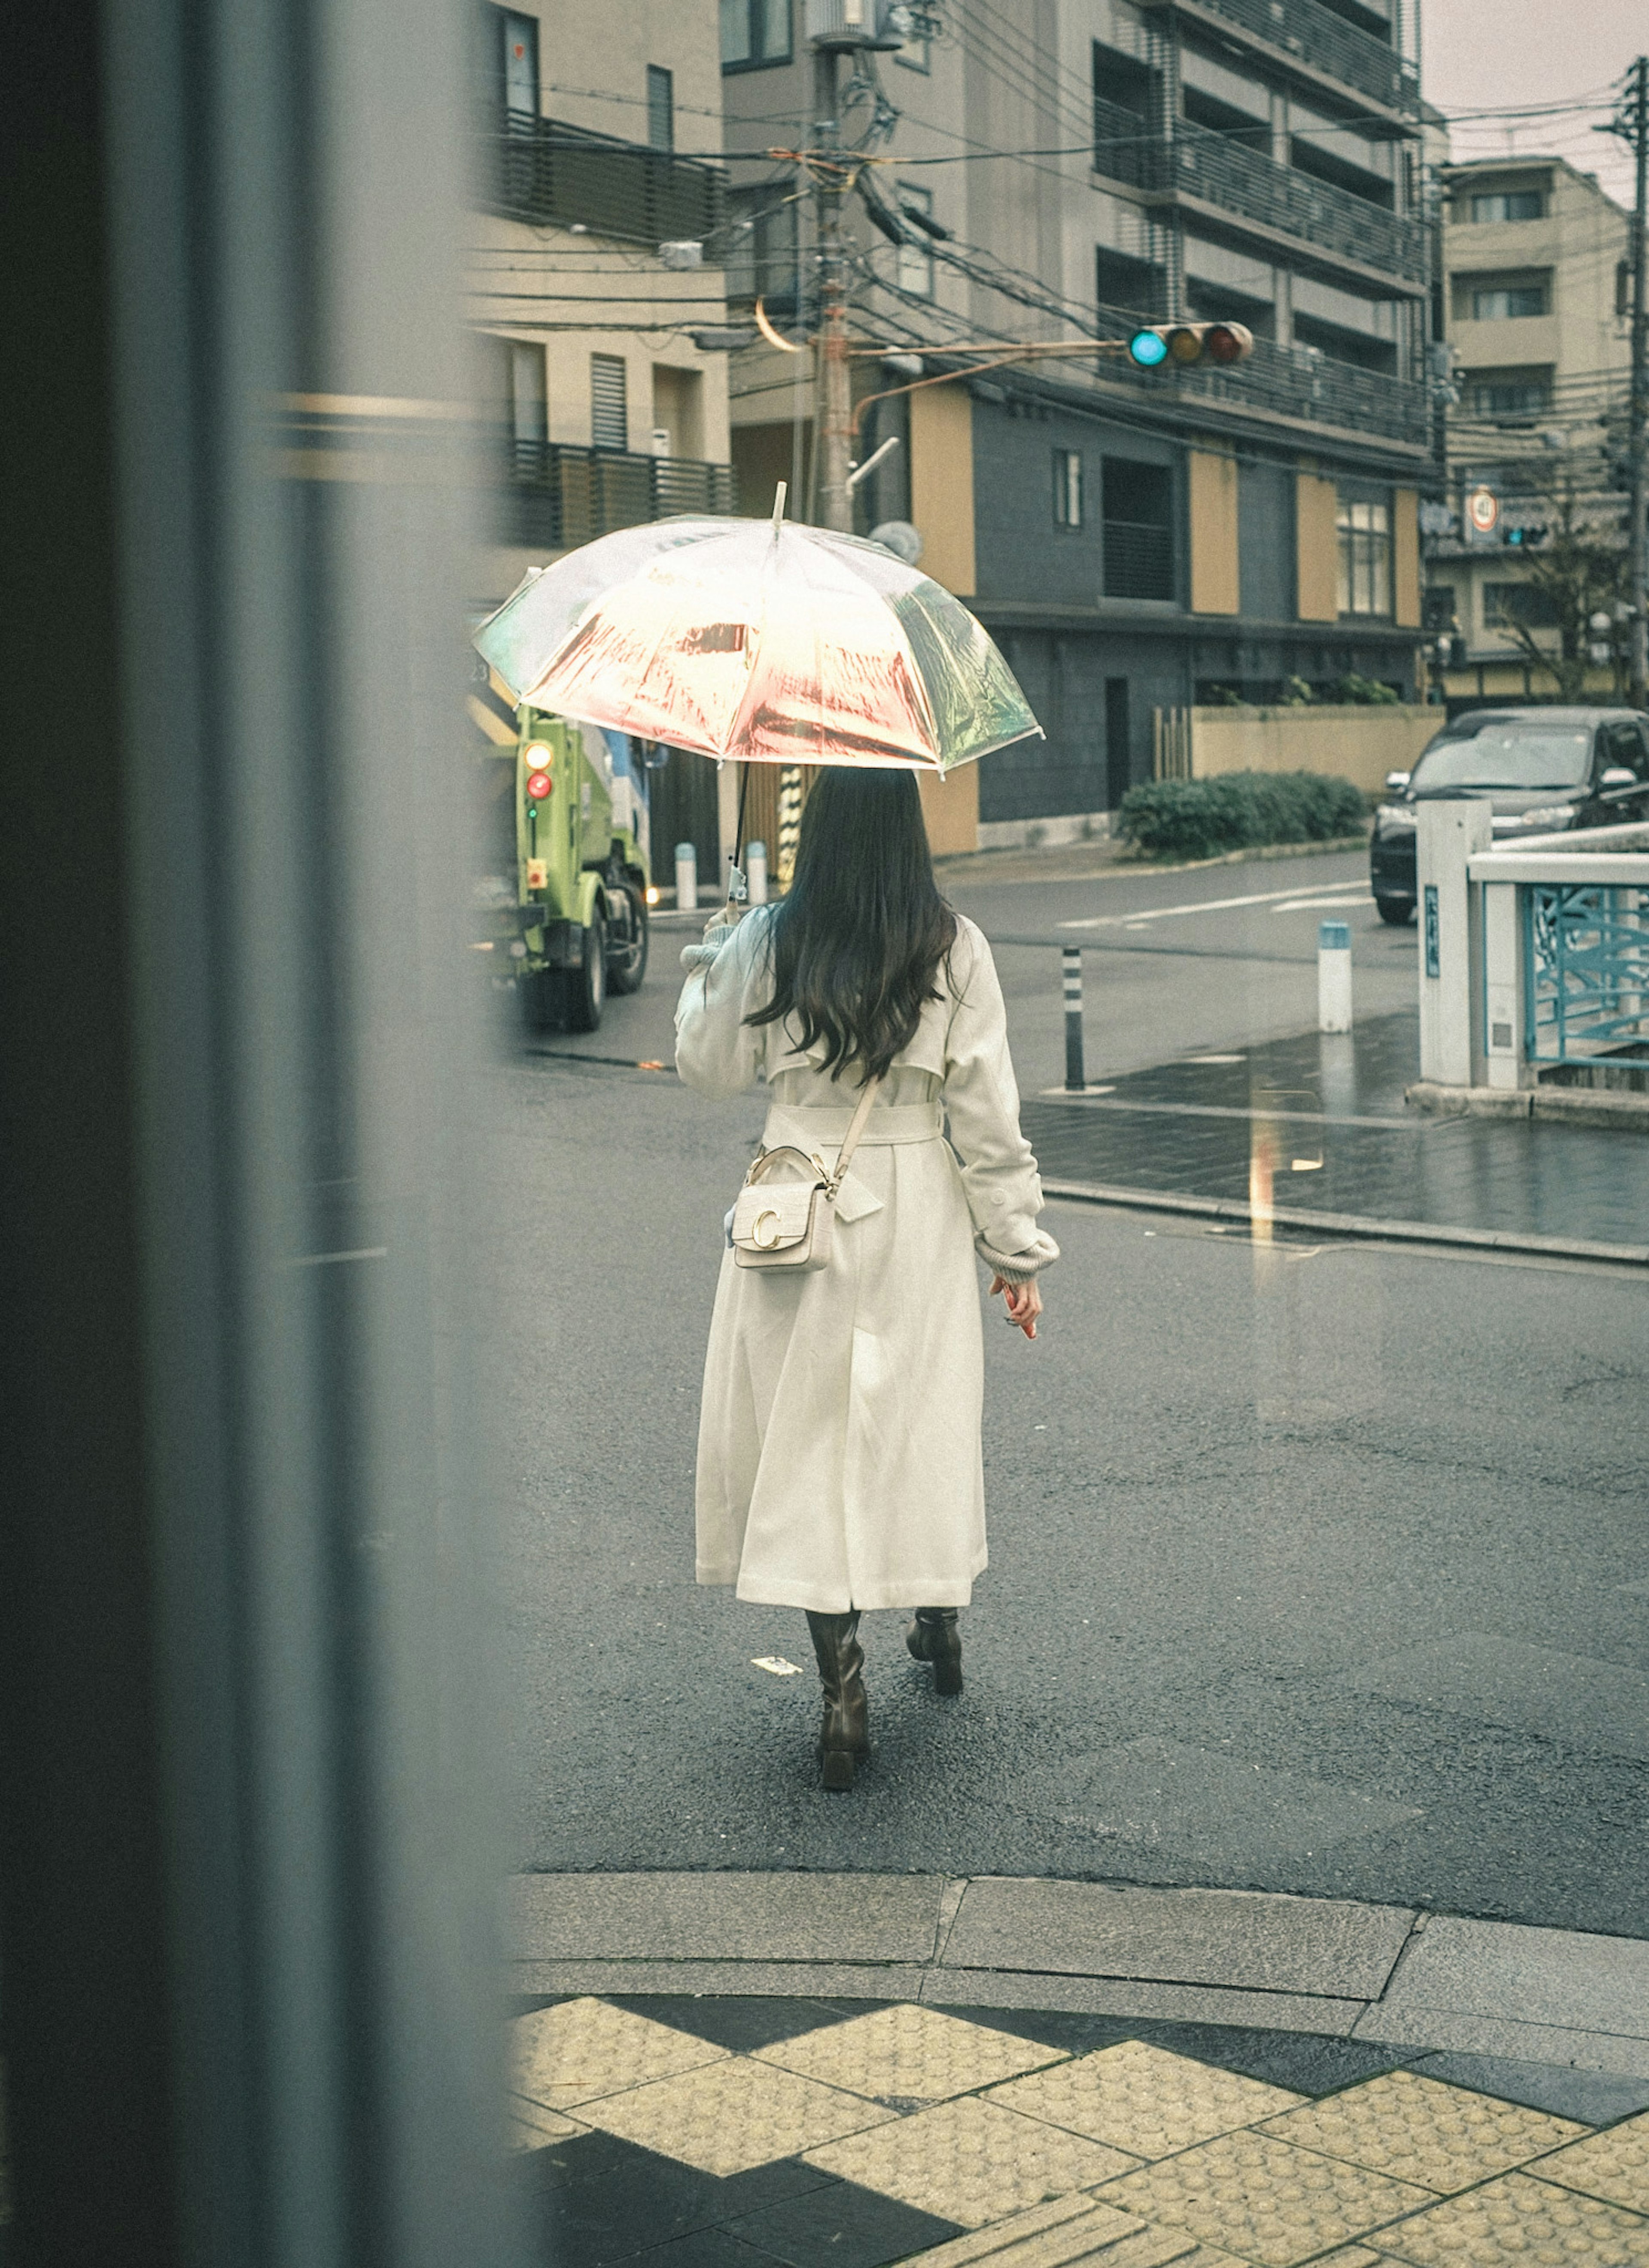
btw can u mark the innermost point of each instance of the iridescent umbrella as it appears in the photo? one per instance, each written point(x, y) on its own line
point(760, 641)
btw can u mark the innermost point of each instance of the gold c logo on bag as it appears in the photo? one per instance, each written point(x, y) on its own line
point(765, 1242)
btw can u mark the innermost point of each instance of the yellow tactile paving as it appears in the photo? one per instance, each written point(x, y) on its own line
point(910, 2054)
point(1615, 2165)
point(1264, 2200)
point(730, 2115)
point(531, 2126)
point(580, 2049)
point(1350, 2256)
point(1418, 2130)
point(1516, 2222)
point(970, 2161)
point(1143, 2099)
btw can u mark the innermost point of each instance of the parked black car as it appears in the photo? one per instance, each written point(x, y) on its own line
point(1538, 769)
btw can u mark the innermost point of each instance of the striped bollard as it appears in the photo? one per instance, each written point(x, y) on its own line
point(1076, 1077)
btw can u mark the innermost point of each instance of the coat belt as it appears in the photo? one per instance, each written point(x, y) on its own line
point(821, 1126)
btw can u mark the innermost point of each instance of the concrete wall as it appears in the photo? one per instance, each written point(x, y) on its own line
point(1361, 745)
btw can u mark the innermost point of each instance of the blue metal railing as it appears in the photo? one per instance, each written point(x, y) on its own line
point(1586, 970)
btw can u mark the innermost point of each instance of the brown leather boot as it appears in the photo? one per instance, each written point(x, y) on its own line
point(933, 1637)
point(844, 1734)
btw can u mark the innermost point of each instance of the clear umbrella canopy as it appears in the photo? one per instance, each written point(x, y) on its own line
point(761, 641)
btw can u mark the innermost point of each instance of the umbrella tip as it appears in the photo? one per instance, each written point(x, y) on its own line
point(780, 494)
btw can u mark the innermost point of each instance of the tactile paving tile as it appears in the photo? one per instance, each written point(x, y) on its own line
point(1069, 2230)
point(1419, 2130)
point(1614, 2165)
point(1143, 2099)
point(531, 2126)
point(970, 2161)
point(1354, 2255)
point(730, 2115)
point(580, 2049)
point(908, 2054)
point(1519, 2223)
point(1263, 2199)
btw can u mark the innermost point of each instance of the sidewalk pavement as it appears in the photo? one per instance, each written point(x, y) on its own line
point(1319, 1122)
point(865, 2069)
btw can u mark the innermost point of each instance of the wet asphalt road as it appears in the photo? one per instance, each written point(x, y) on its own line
point(1320, 1568)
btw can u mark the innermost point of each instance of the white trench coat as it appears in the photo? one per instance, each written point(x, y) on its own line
point(839, 1458)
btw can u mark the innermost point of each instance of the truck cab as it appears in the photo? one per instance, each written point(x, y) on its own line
point(568, 893)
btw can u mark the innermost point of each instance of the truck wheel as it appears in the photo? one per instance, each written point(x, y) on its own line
point(1395, 910)
point(627, 964)
point(585, 994)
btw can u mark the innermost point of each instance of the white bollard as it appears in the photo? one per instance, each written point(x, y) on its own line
point(686, 877)
point(1451, 830)
point(756, 871)
point(1333, 976)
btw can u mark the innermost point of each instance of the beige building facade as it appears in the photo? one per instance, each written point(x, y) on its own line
point(595, 290)
point(1535, 293)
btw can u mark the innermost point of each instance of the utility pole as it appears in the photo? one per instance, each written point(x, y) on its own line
point(834, 408)
point(1638, 96)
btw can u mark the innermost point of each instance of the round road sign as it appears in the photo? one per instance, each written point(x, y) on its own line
point(1482, 509)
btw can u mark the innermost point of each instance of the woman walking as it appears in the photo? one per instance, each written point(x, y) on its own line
point(839, 1459)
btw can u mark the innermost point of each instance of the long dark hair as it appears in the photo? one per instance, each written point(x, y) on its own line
point(858, 944)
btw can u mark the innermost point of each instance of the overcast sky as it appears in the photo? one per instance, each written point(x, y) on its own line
point(1509, 55)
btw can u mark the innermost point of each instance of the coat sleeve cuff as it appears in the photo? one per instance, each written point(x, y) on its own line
point(1018, 1267)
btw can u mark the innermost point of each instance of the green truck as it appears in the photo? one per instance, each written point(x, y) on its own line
point(565, 902)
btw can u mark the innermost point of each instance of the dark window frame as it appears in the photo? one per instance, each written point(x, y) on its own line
point(762, 11)
point(660, 108)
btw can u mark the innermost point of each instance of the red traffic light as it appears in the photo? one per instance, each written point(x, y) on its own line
point(539, 785)
point(1189, 342)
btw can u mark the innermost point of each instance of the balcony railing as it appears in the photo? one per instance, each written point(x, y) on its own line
point(1291, 381)
point(556, 496)
point(1223, 172)
point(540, 171)
point(1326, 42)
point(1196, 162)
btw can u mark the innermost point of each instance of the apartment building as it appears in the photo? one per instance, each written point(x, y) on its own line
point(1137, 542)
point(1534, 282)
point(596, 295)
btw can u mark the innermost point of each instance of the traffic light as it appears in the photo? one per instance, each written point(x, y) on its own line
point(1188, 343)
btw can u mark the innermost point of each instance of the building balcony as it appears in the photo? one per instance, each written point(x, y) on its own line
point(1218, 170)
point(1243, 185)
point(1294, 382)
point(1322, 45)
point(540, 171)
point(554, 495)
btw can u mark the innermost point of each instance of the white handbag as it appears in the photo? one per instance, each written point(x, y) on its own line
point(789, 1224)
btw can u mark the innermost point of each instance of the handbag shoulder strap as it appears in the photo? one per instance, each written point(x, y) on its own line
point(850, 1139)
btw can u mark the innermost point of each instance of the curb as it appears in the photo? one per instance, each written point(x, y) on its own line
point(972, 867)
point(1351, 1225)
point(1335, 1968)
point(1608, 1110)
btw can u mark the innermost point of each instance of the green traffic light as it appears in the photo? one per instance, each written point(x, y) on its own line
point(1148, 348)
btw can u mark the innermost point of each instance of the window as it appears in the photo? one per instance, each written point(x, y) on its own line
point(1067, 488)
point(660, 108)
point(528, 409)
point(1510, 393)
point(1439, 608)
point(1365, 532)
point(760, 247)
point(609, 403)
point(1506, 603)
point(1500, 303)
point(916, 261)
point(1137, 507)
point(1509, 204)
point(1122, 281)
point(755, 32)
point(518, 39)
point(1623, 744)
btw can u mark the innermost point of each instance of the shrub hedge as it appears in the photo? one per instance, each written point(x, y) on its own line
point(1198, 818)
